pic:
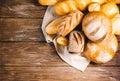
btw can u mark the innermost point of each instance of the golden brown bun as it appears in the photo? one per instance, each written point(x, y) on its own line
point(110, 9)
point(116, 25)
point(82, 4)
point(63, 41)
point(101, 52)
point(67, 6)
point(64, 7)
point(96, 26)
point(76, 42)
point(94, 7)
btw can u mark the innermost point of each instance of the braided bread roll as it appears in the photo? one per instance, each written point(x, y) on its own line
point(101, 52)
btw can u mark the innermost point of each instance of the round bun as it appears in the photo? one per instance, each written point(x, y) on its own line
point(101, 52)
point(110, 9)
point(96, 25)
point(116, 25)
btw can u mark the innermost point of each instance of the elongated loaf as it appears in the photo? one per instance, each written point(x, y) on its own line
point(70, 22)
point(65, 24)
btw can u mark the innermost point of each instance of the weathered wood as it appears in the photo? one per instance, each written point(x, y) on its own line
point(22, 59)
point(22, 9)
point(12, 29)
point(59, 74)
point(36, 54)
point(21, 30)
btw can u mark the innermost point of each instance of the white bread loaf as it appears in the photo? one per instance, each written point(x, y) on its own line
point(96, 26)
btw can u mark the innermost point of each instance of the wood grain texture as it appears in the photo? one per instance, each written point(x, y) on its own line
point(21, 30)
point(37, 54)
point(25, 56)
point(59, 74)
point(17, 29)
point(21, 9)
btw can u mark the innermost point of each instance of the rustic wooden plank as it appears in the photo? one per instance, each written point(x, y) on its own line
point(21, 30)
point(28, 54)
point(36, 54)
point(59, 74)
point(22, 9)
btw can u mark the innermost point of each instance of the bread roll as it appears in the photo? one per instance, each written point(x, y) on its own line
point(101, 52)
point(96, 26)
point(52, 27)
point(64, 24)
point(110, 9)
point(62, 40)
point(116, 25)
point(67, 6)
point(76, 42)
point(70, 22)
point(94, 7)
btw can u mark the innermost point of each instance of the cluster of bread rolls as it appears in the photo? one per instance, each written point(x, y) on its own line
point(99, 27)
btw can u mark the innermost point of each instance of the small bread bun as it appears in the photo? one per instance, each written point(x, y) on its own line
point(116, 25)
point(94, 7)
point(101, 52)
point(76, 42)
point(110, 9)
point(96, 26)
point(63, 41)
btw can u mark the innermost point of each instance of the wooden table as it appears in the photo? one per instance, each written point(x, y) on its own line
point(25, 56)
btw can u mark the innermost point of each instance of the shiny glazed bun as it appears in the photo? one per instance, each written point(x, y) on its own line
point(96, 26)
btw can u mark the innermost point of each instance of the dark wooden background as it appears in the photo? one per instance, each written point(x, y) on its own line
point(25, 56)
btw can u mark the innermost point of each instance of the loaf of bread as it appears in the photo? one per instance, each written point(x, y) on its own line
point(65, 24)
point(70, 22)
point(76, 42)
point(96, 26)
point(115, 1)
point(101, 52)
point(68, 6)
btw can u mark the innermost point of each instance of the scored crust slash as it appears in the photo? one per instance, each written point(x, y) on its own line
point(83, 33)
